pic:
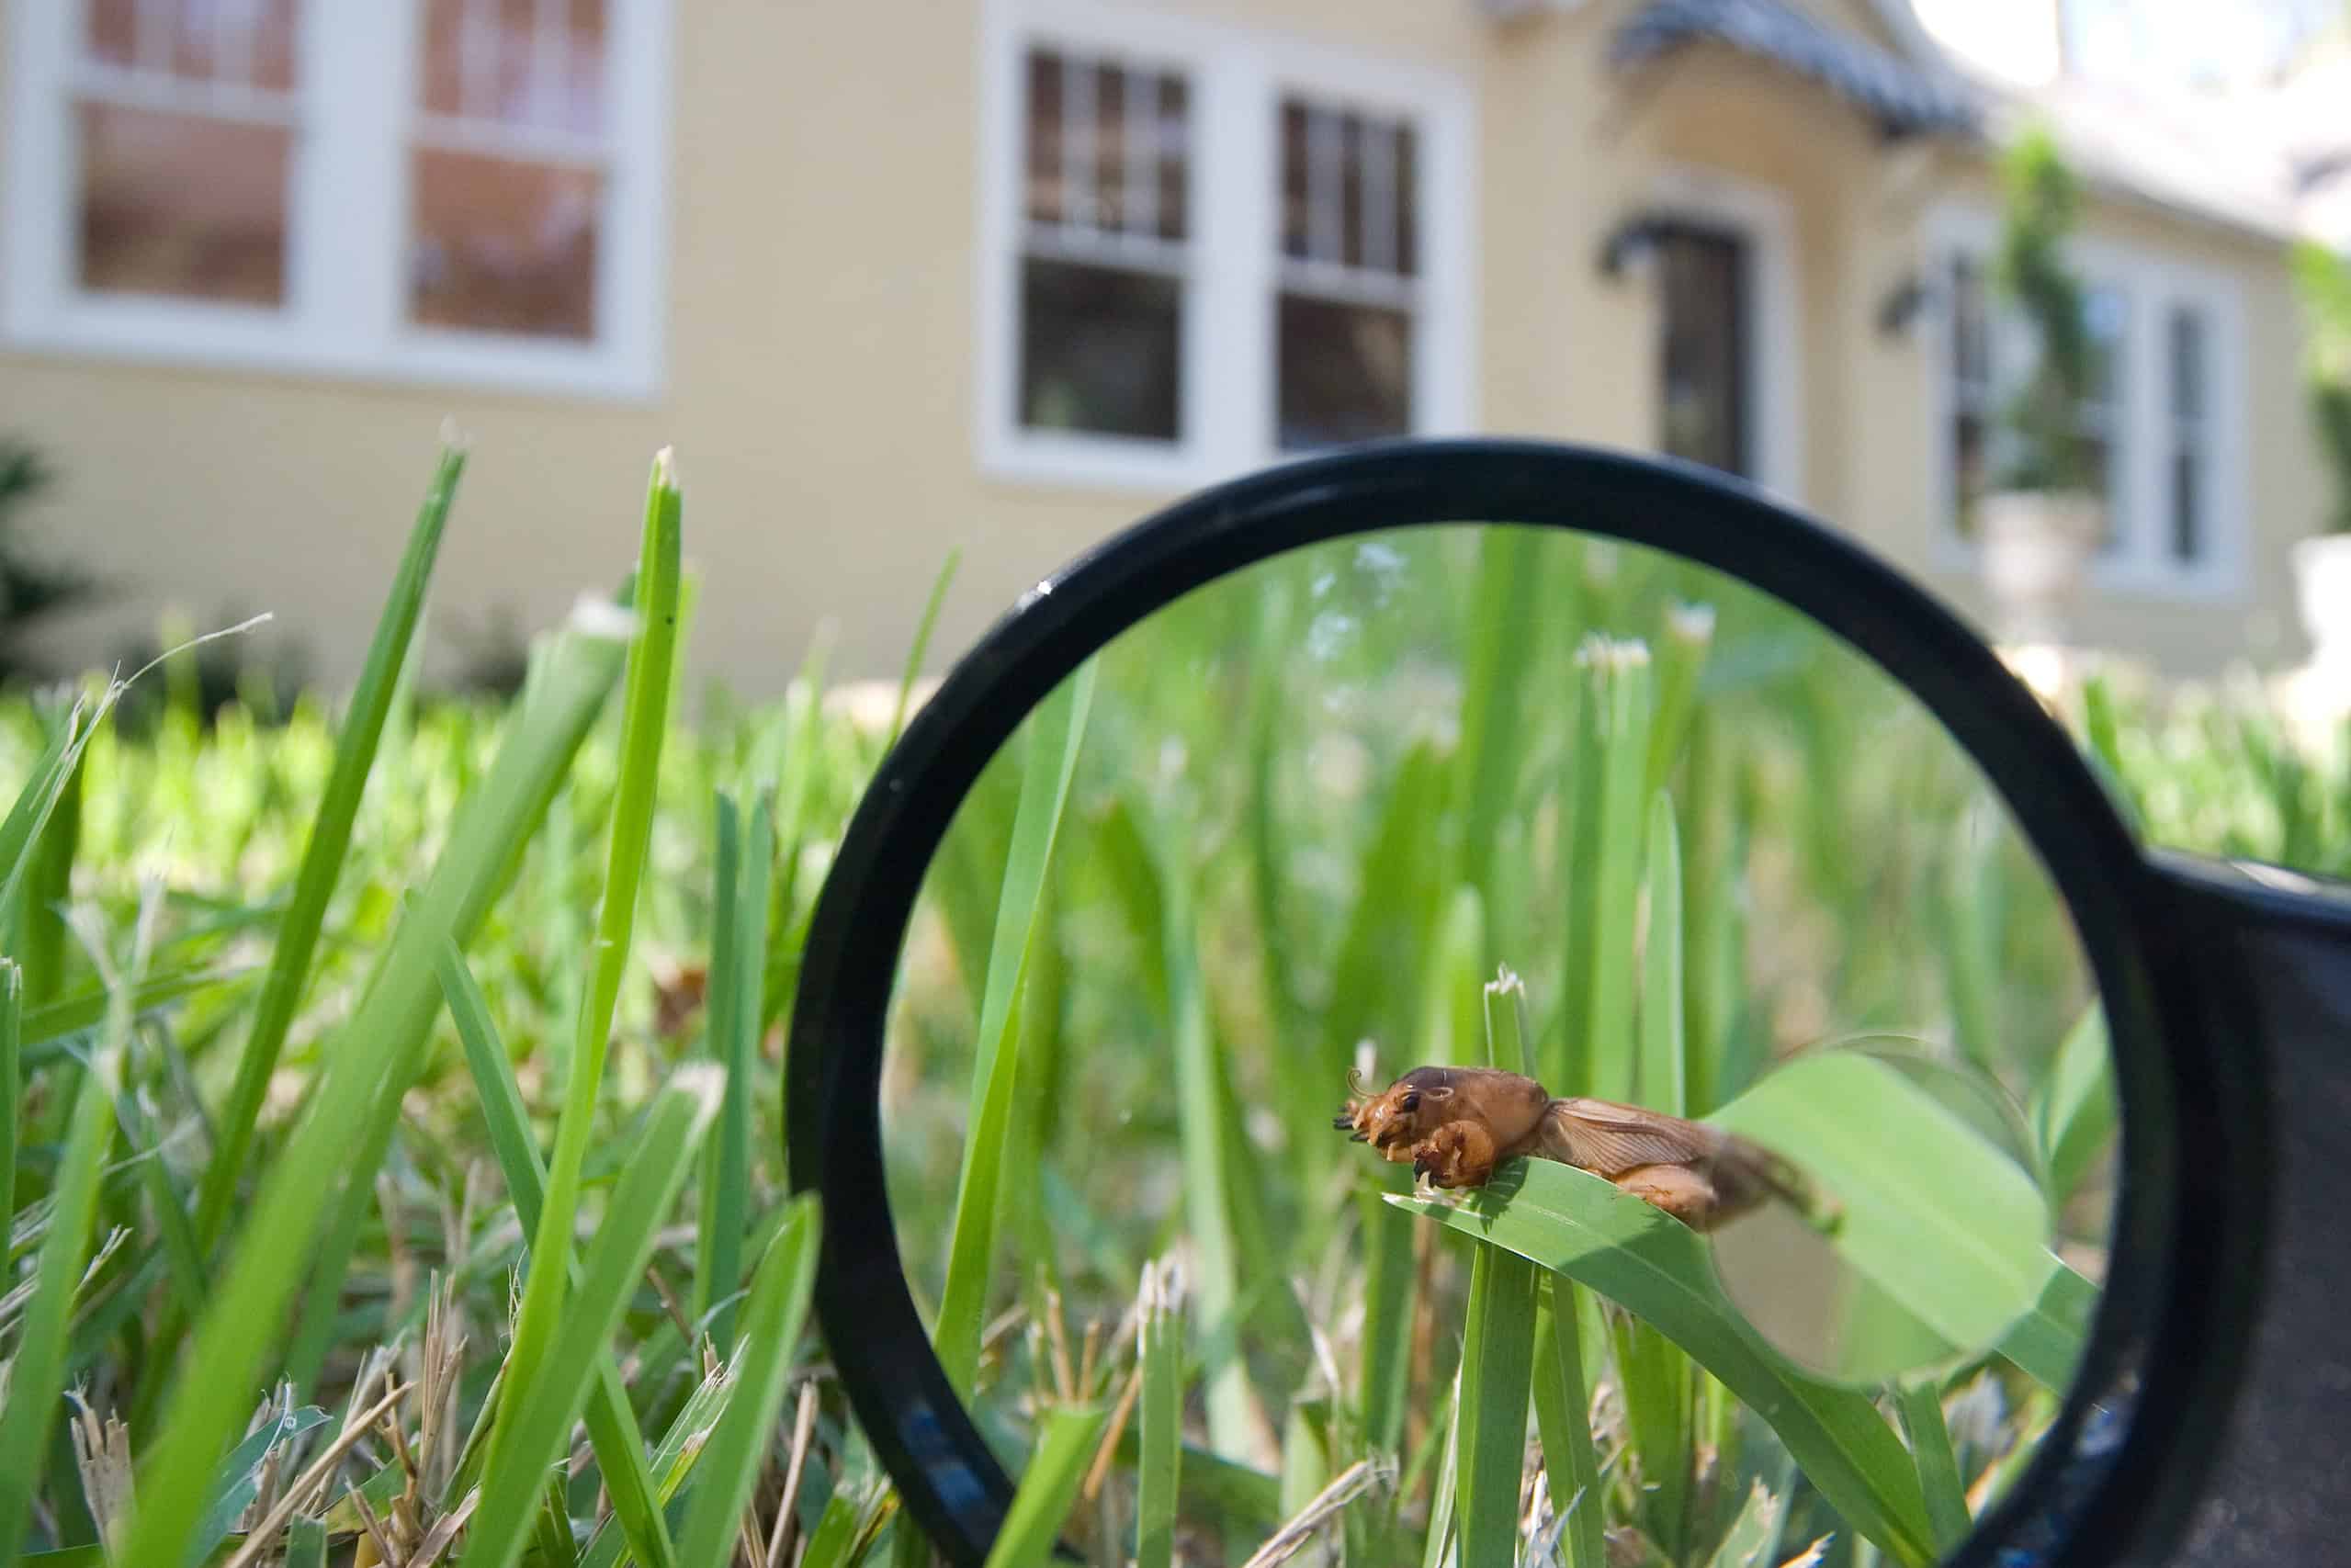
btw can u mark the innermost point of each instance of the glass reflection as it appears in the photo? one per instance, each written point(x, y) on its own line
point(1483, 795)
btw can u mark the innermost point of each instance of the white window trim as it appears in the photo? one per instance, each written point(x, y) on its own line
point(2151, 284)
point(347, 206)
point(1236, 78)
point(1765, 218)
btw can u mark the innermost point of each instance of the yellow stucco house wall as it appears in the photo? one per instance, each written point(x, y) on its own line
point(810, 247)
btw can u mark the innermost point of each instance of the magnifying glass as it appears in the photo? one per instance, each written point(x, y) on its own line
point(1532, 935)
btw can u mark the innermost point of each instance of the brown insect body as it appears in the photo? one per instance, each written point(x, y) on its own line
point(1455, 1125)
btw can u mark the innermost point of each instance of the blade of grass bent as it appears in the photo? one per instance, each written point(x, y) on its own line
point(383, 1041)
point(1058, 730)
point(542, 1413)
point(643, 723)
point(728, 1468)
point(1577, 1224)
point(323, 855)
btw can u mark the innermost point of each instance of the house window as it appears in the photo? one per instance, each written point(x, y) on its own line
point(2160, 437)
point(1202, 247)
point(459, 190)
point(508, 163)
point(1105, 248)
point(1347, 293)
point(1972, 409)
point(185, 117)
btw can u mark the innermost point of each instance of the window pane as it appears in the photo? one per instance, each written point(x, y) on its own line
point(2187, 364)
point(1407, 201)
point(1100, 350)
point(114, 31)
point(1109, 148)
point(1971, 338)
point(247, 41)
point(500, 246)
point(490, 60)
point(183, 205)
point(1045, 200)
point(2187, 506)
point(1174, 130)
point(1296, 195)
point(1703, 371)
point(1346, 372)
point(583, 108)
point(1350, 189)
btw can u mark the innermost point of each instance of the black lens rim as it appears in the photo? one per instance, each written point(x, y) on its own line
point(2080, 1500)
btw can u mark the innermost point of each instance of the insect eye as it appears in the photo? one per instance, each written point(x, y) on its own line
point(1411, 1100)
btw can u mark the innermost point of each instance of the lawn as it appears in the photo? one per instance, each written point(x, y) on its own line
point(389, 1089)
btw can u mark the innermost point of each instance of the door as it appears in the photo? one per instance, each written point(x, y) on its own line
point(1704, 291)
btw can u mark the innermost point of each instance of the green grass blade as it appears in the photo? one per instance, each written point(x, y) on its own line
point(1498, 1365)
point(1159, 1458)
point(921, 645)
point(1497, 1347)
point(718, 1252)
point(543, 1413)
point(1664, 1083)
point(1618, 694)
point(1574, 1223)
point(1509, 571)
point(1934, 1214)
point(728, 1468)
point(12, 995)
point(613, 1431)
point(1921, 1407)
point(1057, 731)
point(1048, 1486)
point(1562, 1402)
point(323, 855)
point(644, 721)
point(1751, 1533)
point(2074, 1109)
point(306, 1544)
point(1690, 630)
point(389, 1028)
point(1208, 1201)
point(1438, 1547)
point(36, 1370)
point(40, 944)
point(2046, 1343)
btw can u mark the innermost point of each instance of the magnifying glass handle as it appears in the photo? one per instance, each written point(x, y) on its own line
point(2271, 952)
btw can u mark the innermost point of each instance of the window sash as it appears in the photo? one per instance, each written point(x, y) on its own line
point(356, 110)
point(2145, 438)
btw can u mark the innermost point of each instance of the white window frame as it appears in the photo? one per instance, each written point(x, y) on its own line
point(1765, 219)
point(345, 315)
point(1236, 79)
point(2140, 564)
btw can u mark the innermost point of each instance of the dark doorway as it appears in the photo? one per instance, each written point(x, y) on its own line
point(1702, 275)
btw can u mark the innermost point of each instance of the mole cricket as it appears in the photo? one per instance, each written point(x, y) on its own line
point(1455, 1125)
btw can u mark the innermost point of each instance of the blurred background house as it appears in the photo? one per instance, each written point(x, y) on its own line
point(1004, 275)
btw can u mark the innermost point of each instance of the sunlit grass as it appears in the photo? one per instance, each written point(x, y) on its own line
point(409, 1041)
